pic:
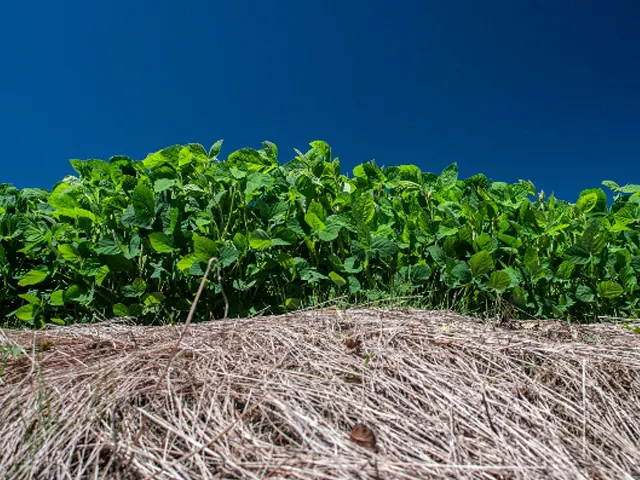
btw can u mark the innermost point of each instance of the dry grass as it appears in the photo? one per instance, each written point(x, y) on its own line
point(277, 397)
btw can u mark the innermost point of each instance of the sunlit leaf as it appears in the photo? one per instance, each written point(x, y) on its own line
point(160, 242)
point(32, 277)
point(609, 289)
point(259, 240)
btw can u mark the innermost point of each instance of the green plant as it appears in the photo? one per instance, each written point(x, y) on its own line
point(133, 238)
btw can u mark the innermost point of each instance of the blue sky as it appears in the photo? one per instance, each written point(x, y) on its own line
point(546, 91)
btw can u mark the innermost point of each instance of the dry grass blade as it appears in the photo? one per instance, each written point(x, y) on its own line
point(440, 395)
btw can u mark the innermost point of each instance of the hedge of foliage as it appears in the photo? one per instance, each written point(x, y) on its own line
point(132, 238)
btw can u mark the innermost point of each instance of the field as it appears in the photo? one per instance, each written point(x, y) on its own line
point(163, 318)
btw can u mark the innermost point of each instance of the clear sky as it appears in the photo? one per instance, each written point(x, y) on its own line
point(547, 91)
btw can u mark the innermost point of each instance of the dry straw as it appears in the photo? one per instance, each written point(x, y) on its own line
point(328, 394)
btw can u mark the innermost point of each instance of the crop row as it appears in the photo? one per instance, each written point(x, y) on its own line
point(127, 237)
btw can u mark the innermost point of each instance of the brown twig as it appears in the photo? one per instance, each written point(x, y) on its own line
point(190, 316)
point(192, 311)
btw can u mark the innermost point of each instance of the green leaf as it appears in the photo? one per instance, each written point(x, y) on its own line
point(314, 222)
point(185, 157)
point(192, 187)
point(365, 209)
point(630, 189)
point(75, 213)
point(30, 298)
point(383, 247)
point(140, 285)
point(625, 215)
point(101, 274)
point(328, 235)
point(424, 223)
point(499, 281)
point(592, 240)
point(69, 253)
point(271, 150)
point(592, 199)
point(438, 255)
point(143, 202)
point(587, 202)
point(167, 155)
point(484, 242)
point(354, 284)
point(120, 310)
point(160, 242)
point(481, 263)
point(421, 273)
point(78, 293)
point(57, 298)
point(292, 303)
point(152, 299)
point(119, 263)
point(130, 291)
point(511, 241)
point(32, 277)
point(259, 240)
point(163, 184)
point(214, 151)
point(444, 231)
point(461, 273)
point(577, 255)
point(565, 270)
point(228, 256)
point(257, 181)
point(585, 294)
point(323, 149)
point(449, 177)
point(240, 241)
point(91, 267)
point(185, 263)
point(249, 158)
point(204, 248)
point(107, 246)
point(337, 279)
point(317, 208)
point(352, 265)
point(359, 171)
point(27, 313)
point(62, 197)
point(609, 289)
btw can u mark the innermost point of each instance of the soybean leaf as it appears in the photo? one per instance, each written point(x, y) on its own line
point(585, 294)
point(228, 256)
point(160, 242)
point(204, 248)
point(32, 277)
point(609, 289)
point(259, 240)
point(480, 263)
point(69, 253)
point(27, 313)
point(337, 279)
point(214, 151)
point(449, 177)
point(499, 281)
